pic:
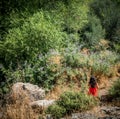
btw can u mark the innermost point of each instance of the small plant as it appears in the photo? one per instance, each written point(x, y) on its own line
point(115, 90)
point(75, 101)
point(101, 63)
point(71, 102)
point(56, 111)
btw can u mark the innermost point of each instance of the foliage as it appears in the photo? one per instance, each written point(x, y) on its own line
point(35, 36)
point(93, 32)
point(116, 47)
point(99, 62)
point(28, 34)
point(115, 89)
point(108, 12)
point(41, 71)
point(72, 56)
point(56, 111)
point(77, 12)
point(71, 102)
point(116, 35)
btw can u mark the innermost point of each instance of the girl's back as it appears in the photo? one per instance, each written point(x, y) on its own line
point(92, 82)
point(93, 86)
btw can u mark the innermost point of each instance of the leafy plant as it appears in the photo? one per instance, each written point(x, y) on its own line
point(56, 111)
point(74, 101)
point(115, 90)
point(35, 36)
point(71, 102)
point(108, 12)
point(93, 32)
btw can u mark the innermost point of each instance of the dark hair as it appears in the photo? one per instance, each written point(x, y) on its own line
point(92, 82)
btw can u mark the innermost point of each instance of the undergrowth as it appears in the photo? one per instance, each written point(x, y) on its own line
point(115, 90)
point(71, 102)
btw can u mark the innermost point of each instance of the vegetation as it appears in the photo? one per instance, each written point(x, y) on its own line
point(115, 90)
point(71, 102)
point(46, 41)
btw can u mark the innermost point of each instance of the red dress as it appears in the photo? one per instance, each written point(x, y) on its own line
point(93, 91)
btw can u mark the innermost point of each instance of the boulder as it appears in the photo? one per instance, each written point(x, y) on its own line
point(113, 111)
point(83, 115)
point(26, 90)
point(1, 115)
point(40, 105)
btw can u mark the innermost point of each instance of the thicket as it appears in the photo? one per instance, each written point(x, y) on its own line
point(108, 11)
point(115, 90)
point(71, 102)
point(32, 31)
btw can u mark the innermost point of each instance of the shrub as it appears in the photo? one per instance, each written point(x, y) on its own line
point(36, 35)
point(40, 71)
point(116, 47)
point(75, 101)
point(115, 90)
point(93, 32)
point(76, 17)
point(102, 62)
point(73, 58)
point(108, 12)
point(56, 111)
point(71, 102)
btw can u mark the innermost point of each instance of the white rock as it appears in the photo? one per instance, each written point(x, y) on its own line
point(42, 103)
point(27, 90)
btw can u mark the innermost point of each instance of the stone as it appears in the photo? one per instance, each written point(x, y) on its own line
point(83, 116)
point(26, 90)
point(40, 105)
point(1, 115)
point(114, 111)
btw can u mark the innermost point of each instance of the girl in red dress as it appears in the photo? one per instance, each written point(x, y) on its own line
point(93, 87)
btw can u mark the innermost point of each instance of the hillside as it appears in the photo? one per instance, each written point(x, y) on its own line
point(57, 46)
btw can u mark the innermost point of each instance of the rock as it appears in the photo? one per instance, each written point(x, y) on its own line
point(83, 116)
point(113, 111)
point(108, 117)
point(26, 90)
point(40, 105)
point(1, 115)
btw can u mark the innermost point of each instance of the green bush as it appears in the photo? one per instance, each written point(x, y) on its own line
point(56, 111)
point(93, 32)
point(115, 90)
point(75, 101)
point(36, 35)
point(100, 62)
point(108, 12)
point(71, 102)
point(40, 71)
point(116, 35)
point(73, 58)
point(76, 17)
point(116, 47)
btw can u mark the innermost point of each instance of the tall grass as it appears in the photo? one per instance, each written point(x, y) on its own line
point(19, 110)
point(16, 106)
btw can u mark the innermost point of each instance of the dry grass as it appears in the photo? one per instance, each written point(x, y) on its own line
point(61, 88)
point(18, 109)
